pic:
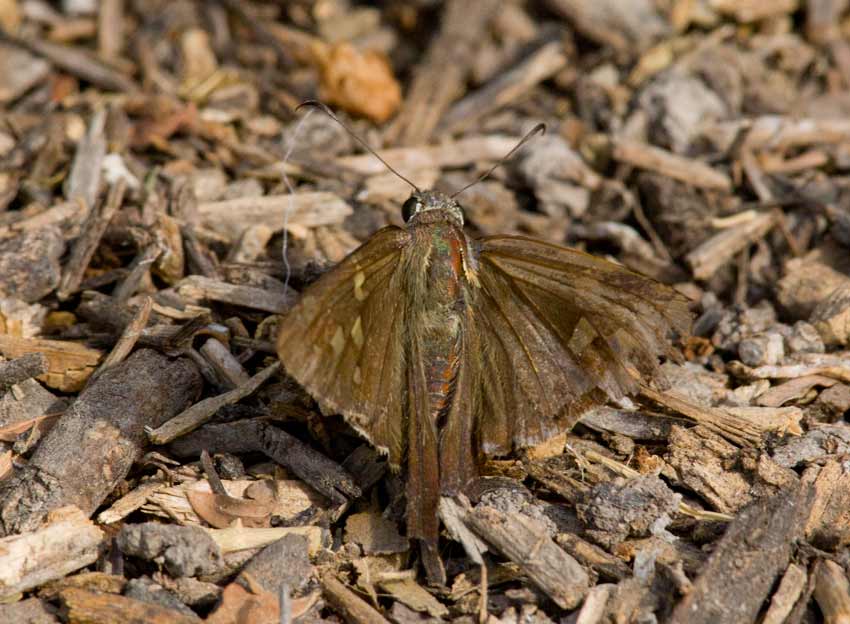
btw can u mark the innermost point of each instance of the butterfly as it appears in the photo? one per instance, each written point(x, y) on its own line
point(441, 349)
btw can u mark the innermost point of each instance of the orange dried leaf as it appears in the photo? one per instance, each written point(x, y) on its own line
point(360, 82)
point(255, 605)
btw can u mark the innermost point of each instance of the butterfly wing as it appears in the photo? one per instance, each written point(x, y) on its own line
point(560, 332)
point(343, 340)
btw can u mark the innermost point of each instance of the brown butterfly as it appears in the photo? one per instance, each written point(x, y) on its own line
point(440, 349)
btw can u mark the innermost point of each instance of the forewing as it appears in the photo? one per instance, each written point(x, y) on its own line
point(562, 331)
point(343, 340)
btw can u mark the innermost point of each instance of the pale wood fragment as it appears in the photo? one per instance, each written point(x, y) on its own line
point(593, 609)
point(130, 502)
point(832, 592)
point(778, 132)
point(715, 252)
point(622, 24)
point(793, 389)
point(251, 244)
point(452, 515)
point(110, 28)
point(238, 538)
point(290, 498)
point(5, 464)
point(225, 364)
point(790, 588)
point(230, 217)
point(69, 364)
point(667, 163)
point(823, 20)
point(832, 367)
point(138, 271)
point(831, 317)
point(68, 215)
point(75, 61)
point(198, 288)
point(747, 11)
point(828, 525)
point(734, 429)
point(67, 542)
point(86, 169)
point(30, 610)
point(594, 557)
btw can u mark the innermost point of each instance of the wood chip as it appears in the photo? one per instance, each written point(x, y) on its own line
point(790, 587)
point(685, 170)
point(201, 412)
point(73, 464)
point(197, 288)
point(354, 608)
point(718, 250)
point(442, 71)
point(67, 542)
point(69, 364)
point(230, 217)
point(832, 591)
point(87, 606)
point(755, 549)
point(526, 543)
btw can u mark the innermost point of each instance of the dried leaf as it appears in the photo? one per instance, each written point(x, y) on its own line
point(360, 82)
point(376, 534)
point(221, 511)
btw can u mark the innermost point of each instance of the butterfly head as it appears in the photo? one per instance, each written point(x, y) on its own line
point(421, 202)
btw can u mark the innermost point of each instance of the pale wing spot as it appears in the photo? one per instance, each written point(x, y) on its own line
point(308, 305)
point(470, 267)
point(357, 332)
point(338, 341)
point(358, 376)
point(471, 276)
point(359, 278)
point(583, 335)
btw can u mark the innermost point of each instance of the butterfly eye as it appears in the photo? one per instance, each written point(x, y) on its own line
point(408, 208)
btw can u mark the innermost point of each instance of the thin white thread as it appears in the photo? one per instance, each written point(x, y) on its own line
point(290, 205)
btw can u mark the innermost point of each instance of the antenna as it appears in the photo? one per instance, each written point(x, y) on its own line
point(538, 129)
point(327, 111)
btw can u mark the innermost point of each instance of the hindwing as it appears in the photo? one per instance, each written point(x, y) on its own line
point(560, 332)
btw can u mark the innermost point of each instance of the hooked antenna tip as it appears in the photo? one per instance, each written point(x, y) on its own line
point(314, 104)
